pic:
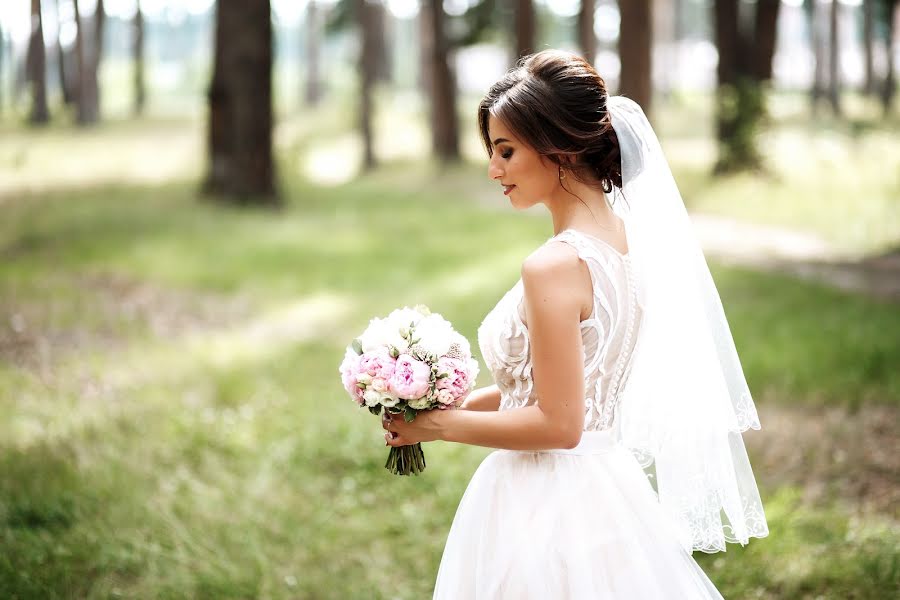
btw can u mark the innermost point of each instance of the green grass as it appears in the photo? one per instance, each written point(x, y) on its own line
point(172, 419)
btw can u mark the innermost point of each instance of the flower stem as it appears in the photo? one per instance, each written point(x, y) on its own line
point(406, 460)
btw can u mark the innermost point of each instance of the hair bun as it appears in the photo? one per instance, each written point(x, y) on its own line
point(555, 102)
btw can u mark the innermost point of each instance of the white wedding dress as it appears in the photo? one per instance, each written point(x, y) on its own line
point(573, 524)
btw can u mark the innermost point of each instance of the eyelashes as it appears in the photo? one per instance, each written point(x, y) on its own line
point(506, 154)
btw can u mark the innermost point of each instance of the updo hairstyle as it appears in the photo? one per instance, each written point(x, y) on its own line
point(555, 102)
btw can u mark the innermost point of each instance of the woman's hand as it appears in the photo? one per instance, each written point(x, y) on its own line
point(426, 427)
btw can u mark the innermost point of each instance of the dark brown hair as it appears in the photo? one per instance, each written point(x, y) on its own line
point(555, 102)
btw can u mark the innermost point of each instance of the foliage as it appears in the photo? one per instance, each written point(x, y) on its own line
point(165, 364)
point(741, 110)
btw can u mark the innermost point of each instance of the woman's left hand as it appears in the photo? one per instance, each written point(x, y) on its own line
point(426, 427)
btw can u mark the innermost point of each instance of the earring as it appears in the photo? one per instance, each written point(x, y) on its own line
point(562, 174)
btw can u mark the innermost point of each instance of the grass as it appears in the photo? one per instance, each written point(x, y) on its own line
point(164, 364)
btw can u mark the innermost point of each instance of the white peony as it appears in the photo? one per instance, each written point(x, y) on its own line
point(382, 333)
point(435, 334)
point(463, 343)
point(473, 372)
point(404, 317)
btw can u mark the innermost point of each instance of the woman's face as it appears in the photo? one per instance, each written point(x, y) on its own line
point(533, 178)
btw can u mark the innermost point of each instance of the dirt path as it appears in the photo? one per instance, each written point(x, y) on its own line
point(831, 454)
point(798, 254)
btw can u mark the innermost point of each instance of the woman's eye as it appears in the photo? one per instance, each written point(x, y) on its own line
point(506, 154)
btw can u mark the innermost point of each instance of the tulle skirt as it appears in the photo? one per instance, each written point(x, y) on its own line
point(565, 525)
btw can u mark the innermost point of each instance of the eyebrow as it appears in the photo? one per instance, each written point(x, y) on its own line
point(500, 140)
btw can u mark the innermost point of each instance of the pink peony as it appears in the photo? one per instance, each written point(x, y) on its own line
point(349, 370)
point(457, 380)
point(411, 378)
point(377, 363)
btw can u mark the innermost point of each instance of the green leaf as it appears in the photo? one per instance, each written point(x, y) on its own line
point(375, 410)
point(357, 346)
point(409, 414)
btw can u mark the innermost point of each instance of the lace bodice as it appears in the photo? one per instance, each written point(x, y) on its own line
point(609, 334)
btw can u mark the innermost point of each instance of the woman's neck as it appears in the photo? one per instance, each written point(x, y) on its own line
point(594, 214)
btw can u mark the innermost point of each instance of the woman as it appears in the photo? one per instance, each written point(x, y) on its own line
point(619, 399)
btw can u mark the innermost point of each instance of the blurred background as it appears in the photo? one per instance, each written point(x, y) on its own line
point(202, 203)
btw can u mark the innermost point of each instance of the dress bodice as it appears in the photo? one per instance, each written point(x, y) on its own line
point(608, 335)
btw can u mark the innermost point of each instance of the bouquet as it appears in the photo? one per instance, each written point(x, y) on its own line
point(413, 360)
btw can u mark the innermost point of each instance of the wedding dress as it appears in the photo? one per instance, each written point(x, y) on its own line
point(661, 469)
point(567, 524)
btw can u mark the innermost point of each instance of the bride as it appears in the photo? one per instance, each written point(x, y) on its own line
point(619, 399)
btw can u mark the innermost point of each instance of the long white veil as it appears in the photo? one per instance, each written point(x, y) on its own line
point(686, 401)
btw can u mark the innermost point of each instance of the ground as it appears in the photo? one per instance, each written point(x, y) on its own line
point(173, 418)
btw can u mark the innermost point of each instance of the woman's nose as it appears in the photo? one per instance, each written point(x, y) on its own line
point(494, 171)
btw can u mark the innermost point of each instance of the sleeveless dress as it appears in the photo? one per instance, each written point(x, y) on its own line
point(568, 524)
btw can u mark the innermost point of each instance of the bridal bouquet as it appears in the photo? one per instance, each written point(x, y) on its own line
point(410, 361)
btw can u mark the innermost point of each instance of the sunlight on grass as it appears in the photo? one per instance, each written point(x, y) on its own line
point(174, 424)
point(133, 152)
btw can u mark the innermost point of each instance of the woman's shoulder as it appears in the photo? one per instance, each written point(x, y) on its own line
point(552, 260)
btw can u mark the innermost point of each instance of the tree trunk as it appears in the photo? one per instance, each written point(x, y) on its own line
point(89, 51)
point(313, 85)
point(37, 67)
point(889, 89)
point(635, 50)
point(766, 34)
point(66, 66)
point(834, 59)
point(868, 46)
point(525, 27)
point(587, 39)
point(740, 103)
point(820, 54)
point(2, 58)
point(380, 46)
point(367, 19)
point(444, 128)
point(81, 64)
point(727, 36)
point(140, 88)
point(241, 168)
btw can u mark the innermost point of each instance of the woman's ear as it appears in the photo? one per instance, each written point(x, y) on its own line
point(566, 160)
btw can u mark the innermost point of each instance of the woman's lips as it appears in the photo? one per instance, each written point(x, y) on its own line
point(507, 189)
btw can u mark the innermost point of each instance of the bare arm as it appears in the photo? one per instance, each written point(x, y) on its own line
point(553, 280)
point(483, 399)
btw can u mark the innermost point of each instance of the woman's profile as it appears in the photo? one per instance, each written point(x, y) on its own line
point(619, 400)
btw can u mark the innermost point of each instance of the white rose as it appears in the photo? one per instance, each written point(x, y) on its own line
point(420, 404)
point(379, 385)
point(445, 397)
point(389, 401)
point(372, 398)
point(364, 378)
